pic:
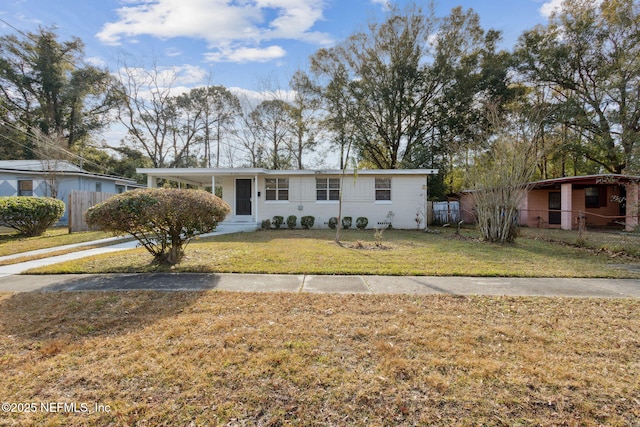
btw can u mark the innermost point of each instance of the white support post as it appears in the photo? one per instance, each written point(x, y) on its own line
point(152, 182)
point(426, 202)
point(631, 211)
point(256, 201)
point(566, 206)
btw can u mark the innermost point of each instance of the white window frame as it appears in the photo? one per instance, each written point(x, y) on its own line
point(280, 191)
point(332, 193)
point(380, 189)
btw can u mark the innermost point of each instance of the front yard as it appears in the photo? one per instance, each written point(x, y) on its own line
point(224, 358)
point(232, 359)
point(401, 253)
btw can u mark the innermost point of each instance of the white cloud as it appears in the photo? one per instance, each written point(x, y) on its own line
point(386, 4)
point(96, 62)
point(176, 79)
point(551, 6)
point(241, 25)
point(172, 51)
point(247, 54)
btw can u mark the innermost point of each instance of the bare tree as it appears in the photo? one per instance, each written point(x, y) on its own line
point(148, 111)
point(272, 124)
point(303, 110)
point(246, 135)
point(499, 177)
point(219, 109)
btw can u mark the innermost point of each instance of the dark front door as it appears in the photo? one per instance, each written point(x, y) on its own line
point(555, 206)
point(243, 197)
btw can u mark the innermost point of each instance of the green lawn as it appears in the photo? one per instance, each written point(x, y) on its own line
point(403, 253)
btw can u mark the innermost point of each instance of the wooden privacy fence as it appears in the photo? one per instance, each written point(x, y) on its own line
point(79, 202)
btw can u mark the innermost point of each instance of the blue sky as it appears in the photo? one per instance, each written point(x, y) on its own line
point(236, 43)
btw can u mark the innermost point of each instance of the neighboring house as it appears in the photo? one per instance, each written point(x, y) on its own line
point(382, 196)
point(55, 178)
point(601, 200)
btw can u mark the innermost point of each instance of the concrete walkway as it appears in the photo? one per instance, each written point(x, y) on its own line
point(419, 285)
point(11, 280)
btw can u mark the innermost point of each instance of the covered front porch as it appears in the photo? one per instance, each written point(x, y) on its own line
point(236, 187)
point(596, 201)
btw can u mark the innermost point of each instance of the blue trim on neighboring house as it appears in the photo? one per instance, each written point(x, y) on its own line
point(7, 189)
point(67, 178)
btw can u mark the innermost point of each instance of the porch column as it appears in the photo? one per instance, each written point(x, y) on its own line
point(565, 204)
point(213, 184)
point(426, 202)
point(152, 182)
point(256, 199)
point(631, 211)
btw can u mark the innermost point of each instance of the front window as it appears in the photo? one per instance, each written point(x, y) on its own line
point(327, 189)
point(98, 187)
point(592, 198)
point(383, 188)
point(277, 188)
point(25, 188)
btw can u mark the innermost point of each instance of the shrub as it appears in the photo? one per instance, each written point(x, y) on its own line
point(361, 223)
point(307, 221)
point(266, 224)
point(163, 220)
point(346, 222)
point(31, 216)
point(277, 221)
point(291, 221)
point(333, 222)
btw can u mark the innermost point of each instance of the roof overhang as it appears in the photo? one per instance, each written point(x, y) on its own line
point(204, 176)
point(57, 174)
point(602, 179)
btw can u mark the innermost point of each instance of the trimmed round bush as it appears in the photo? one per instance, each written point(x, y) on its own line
point(291, 221)
point(333, 222)
point(31, 216)
point(361, 223)
point(346, 222)
point(266, 224)
point(277, 221)
point(163, 220)
point(307, 221)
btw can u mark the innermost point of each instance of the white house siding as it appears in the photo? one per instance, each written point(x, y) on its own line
point(407, 199)
point(408, 193)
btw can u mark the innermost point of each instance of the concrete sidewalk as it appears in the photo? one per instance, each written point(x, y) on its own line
point(418, 285)
point(12, 280)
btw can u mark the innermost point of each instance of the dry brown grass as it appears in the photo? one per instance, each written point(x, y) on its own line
point(216, 358)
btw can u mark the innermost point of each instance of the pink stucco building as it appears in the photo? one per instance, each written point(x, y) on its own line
point(602, 200)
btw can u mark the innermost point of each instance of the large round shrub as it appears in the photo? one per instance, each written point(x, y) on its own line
point(163, 220)
point(31, 216)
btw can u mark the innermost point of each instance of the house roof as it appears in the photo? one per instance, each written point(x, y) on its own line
point(39, 165)
point(585, 180)
point(62, 167)
point(203, 176)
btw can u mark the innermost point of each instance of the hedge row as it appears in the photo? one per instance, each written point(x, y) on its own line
point(307, 222)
